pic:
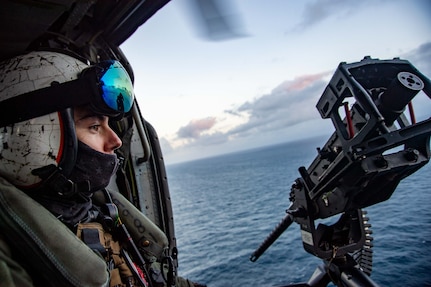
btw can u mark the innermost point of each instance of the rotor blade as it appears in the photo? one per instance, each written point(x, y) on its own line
point(218, 19)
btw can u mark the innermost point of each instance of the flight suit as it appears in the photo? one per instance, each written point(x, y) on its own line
point(37, 249)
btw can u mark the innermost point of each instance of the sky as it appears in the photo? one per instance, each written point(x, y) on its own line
point(208, 97)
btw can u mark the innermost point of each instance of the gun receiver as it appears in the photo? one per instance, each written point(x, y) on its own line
point(358, 166)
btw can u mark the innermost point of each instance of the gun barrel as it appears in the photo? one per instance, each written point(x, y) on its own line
point(272, 237)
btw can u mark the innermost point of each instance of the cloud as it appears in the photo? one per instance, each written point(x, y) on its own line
point(288, 104)
point(213, 139)
point(195, 128)
point(317, 11)
point(420, 58)
point(258, 122)
point(279, 114)
point(165, 145)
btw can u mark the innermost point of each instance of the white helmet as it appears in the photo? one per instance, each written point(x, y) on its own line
point(37, 91)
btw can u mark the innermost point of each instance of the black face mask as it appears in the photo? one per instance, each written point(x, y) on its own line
point(93, 167)
point(92, 172)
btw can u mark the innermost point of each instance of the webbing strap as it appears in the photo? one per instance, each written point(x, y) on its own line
point(91, 237)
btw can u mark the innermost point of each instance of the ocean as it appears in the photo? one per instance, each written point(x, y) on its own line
point(225, 206)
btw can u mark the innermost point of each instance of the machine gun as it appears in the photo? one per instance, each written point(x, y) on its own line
point(373, 148)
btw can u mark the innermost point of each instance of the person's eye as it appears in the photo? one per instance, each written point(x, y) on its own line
point(94, 128)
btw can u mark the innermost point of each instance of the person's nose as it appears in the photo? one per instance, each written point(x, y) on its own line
point(113, 142)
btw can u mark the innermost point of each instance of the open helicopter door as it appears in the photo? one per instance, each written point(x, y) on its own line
point(142, 180)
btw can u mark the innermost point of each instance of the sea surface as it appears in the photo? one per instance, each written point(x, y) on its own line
point(225, 206)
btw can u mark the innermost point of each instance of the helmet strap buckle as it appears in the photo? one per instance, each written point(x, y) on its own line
point(54, 179)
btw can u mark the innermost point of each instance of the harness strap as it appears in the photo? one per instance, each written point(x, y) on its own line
point(54, 180)
point(93, 234)
point(92, 239)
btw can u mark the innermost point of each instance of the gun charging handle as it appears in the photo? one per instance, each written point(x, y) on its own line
point(272, 237)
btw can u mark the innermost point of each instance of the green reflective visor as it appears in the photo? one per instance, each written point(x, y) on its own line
point(116, 86)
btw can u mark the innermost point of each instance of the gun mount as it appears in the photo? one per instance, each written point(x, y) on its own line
point(373, 148)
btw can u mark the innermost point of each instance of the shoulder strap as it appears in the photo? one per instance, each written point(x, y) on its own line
point(47, 244)
point(148, 236)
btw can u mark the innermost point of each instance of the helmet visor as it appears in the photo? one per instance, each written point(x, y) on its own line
point(115, 86)
point(105, 86)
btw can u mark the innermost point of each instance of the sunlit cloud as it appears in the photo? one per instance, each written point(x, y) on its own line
point(294, 101)
point(196, 127)
point(288, 104)
point(303, 82)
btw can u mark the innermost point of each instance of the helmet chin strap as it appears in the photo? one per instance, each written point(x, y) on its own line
point(55, 181)
point(64, 198)
point(92, 171)
point(68, 196)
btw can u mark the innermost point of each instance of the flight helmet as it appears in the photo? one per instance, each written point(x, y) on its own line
point(37, 93)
